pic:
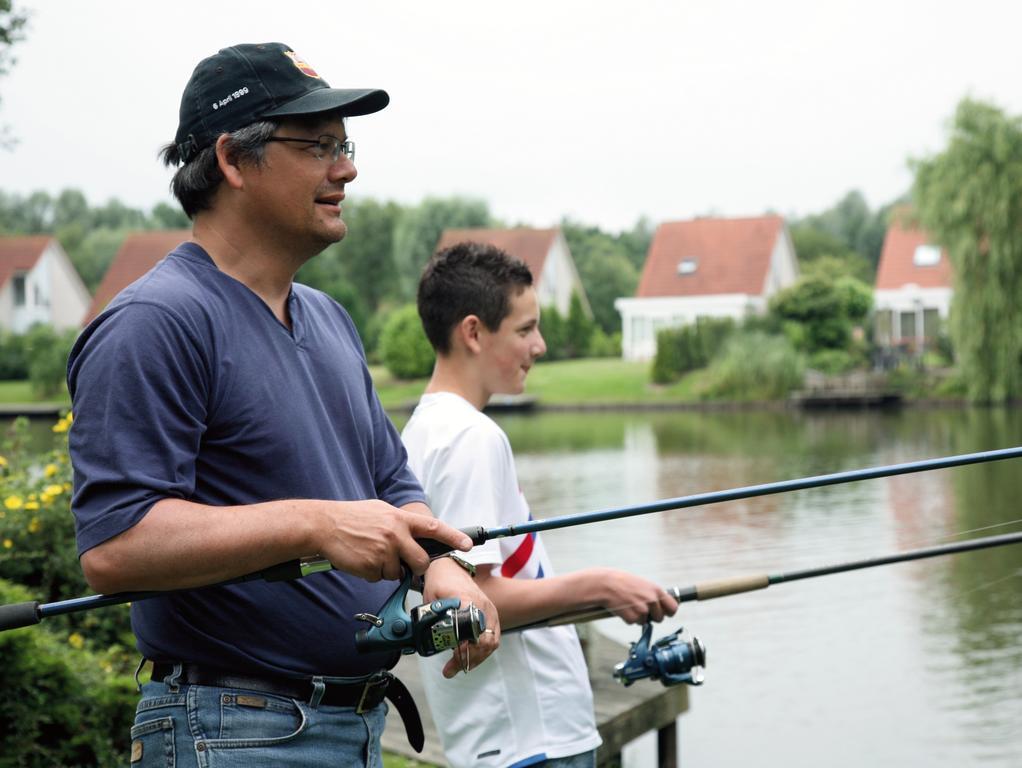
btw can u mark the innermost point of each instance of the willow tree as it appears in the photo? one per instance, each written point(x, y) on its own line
point(969, 198)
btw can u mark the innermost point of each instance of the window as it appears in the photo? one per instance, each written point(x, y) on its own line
point(884, 326)
point(926, 256)
point(19, 290)
point(688, 266)
point(908, 325)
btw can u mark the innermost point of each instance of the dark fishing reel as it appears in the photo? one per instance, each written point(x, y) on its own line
point(426, 630)
point(673, 659)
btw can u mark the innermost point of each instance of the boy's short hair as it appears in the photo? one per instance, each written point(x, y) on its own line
point(468, 279)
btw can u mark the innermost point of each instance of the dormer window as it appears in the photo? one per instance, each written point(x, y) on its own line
point(688, 266)
point(926, 256)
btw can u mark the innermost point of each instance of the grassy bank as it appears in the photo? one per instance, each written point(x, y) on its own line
point(598, 381)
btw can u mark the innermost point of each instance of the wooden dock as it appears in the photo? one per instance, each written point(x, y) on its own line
point(622, 714)
point(858, 389)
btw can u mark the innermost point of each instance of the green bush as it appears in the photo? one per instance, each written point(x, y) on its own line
point(47, 352)
point(37, 537)
point(554, 328)
point(404, 348)
point(604, 345)
point(755, 366)
point(692, 346)
point(62, 705)
point(13, 358)
point(833, 361)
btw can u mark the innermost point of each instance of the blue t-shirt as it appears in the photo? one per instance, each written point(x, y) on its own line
point(187, 386)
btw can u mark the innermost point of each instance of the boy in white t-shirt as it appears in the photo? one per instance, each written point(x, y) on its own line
point(531, 704)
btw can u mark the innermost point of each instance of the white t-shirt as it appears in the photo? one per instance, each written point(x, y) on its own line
point(531, 699)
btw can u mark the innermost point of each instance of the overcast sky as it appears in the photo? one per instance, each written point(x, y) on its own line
point(601, 111)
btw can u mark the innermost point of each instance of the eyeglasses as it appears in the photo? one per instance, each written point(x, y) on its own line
point(325, 145)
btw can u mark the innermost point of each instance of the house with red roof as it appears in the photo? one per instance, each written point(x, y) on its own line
point(139, 253)
point(545, 252)
point(913, 290)
point(706, 267)
point(39, 284)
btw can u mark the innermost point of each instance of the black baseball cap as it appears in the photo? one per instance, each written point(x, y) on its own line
point(245, 83)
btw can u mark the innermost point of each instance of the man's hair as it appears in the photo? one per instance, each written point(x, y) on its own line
point(468, 279)
point(195, 182)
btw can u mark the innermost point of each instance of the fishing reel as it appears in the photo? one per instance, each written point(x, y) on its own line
point(673, 659)
point(428, 629)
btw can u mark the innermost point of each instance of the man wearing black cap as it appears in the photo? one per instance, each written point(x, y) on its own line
point(225, 422)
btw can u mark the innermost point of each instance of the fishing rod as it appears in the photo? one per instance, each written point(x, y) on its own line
point(381, 634)
point(394, 628)
point(675, 659)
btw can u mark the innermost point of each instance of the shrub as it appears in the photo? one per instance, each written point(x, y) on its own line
point(13, 359)
point(692, 346)
point(47, 352)
point(61, 705)
point(755, 366)
point(404, 348)
point(833, 361)
point(605, 345)
point(37, 536)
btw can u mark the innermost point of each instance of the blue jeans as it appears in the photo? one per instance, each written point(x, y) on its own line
point(199, 726)
point(584, 760)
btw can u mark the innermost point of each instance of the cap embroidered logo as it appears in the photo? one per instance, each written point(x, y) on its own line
point(303, 67)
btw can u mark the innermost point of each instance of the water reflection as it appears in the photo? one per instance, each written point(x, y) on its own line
point(916, 664)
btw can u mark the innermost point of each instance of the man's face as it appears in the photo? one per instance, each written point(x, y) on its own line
point(298, 189)
point(509, 352)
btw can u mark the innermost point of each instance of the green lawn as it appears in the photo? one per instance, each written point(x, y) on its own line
point(597, 381)
point(21, 392)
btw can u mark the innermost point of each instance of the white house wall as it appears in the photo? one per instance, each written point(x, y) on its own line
point(37, 291)
point(783, 269)
point(642, 318)
point(909, 298)
point(560, 279)
point(69, 298)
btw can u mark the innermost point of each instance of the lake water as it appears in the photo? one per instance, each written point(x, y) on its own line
point(909, 664)
point(915, 664)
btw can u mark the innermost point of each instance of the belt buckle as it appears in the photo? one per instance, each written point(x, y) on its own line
point(373, 692)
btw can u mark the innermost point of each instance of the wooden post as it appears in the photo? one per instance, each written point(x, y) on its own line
point(667, 746)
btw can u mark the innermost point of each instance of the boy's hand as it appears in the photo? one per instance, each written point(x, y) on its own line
point(445, 578)
point(634, 599)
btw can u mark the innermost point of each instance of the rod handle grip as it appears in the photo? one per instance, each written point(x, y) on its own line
point(19, 615)
point(708, 590)
point(436, 548)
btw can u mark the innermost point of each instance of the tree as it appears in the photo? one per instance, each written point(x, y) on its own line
point(605, 267)
point(167, 216)
point(11, 25)
point(846, 227)
point(969, 199)
point(578, 329)
point(419, 229)
point(819, 314)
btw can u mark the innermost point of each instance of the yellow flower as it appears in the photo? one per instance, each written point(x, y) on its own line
point(50, 470)
point(8, 543)
point(33, 525)
point(32, 505)
point(54, 490)
point(76, 641)
point(3, 461)
point(13, 502)
point(46, 498)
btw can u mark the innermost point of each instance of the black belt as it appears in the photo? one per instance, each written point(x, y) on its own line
point(363, 695)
